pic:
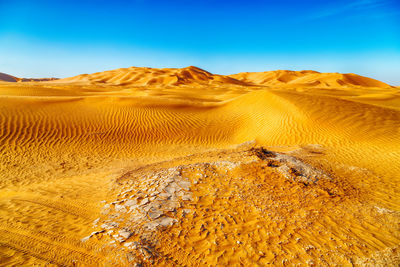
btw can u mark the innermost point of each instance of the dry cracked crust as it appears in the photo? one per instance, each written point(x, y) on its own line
point(155, 200)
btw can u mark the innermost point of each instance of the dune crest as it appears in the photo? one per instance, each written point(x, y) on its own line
point(142, 76)
point(307, 78)
point(194, 76)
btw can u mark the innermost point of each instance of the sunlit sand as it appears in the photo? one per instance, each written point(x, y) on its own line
point(186, 167)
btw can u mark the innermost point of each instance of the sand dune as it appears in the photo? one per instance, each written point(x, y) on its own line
point(139, 76)
point(7, 78)
point(153, 76)
point(64, 144)
point(307, 78)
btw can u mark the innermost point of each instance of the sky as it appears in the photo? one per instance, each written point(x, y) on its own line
point(43, 38)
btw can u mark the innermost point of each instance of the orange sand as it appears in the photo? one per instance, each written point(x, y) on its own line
point(65, 143)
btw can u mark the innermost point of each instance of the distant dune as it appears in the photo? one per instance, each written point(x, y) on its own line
point(7, 78)
point(193, 76)
point(153, 76)
point(307, 78)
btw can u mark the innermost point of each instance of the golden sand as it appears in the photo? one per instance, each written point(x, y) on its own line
point(68, 145)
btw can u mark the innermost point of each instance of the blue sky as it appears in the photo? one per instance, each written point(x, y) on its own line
point(64, 38)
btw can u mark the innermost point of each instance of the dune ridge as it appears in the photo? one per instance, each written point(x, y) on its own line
point(142, 76)
point(307, 78)
point(155, 77)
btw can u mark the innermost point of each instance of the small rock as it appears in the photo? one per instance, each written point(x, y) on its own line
point(120, 208)
point(167, 221)
point(97, 232)
point(170, 189)
point(124, 233)
point(184, 185)
point(164, 195)
point(186, 211)
point(155, 214)
point(144, 201)
point(131, 202)
point(120, 239)
point(109, 225)
point(146, 208)
point(187, 197)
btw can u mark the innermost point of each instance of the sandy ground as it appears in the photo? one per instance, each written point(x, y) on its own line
point(67, 147)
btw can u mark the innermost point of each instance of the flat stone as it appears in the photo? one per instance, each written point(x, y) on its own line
point(109, 225)
point(164, 195)
point(97, 232)
point(128, 244)
point(186, 211)
point(120, 239)
point(144, 201)
point(167, 221)
point(170, 205)
point(187, 197)
point(170, 189)
point(184, 184)
point(131, 202)
point(124, 233)
point(146, 208)
point(120, 208)
point(154, 214)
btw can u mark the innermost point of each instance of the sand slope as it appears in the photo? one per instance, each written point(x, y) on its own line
point(64, 143)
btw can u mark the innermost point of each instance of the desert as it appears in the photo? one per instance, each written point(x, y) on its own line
point(182, 167)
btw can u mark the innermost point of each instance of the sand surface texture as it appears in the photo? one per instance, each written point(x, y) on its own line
point(185, 167)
